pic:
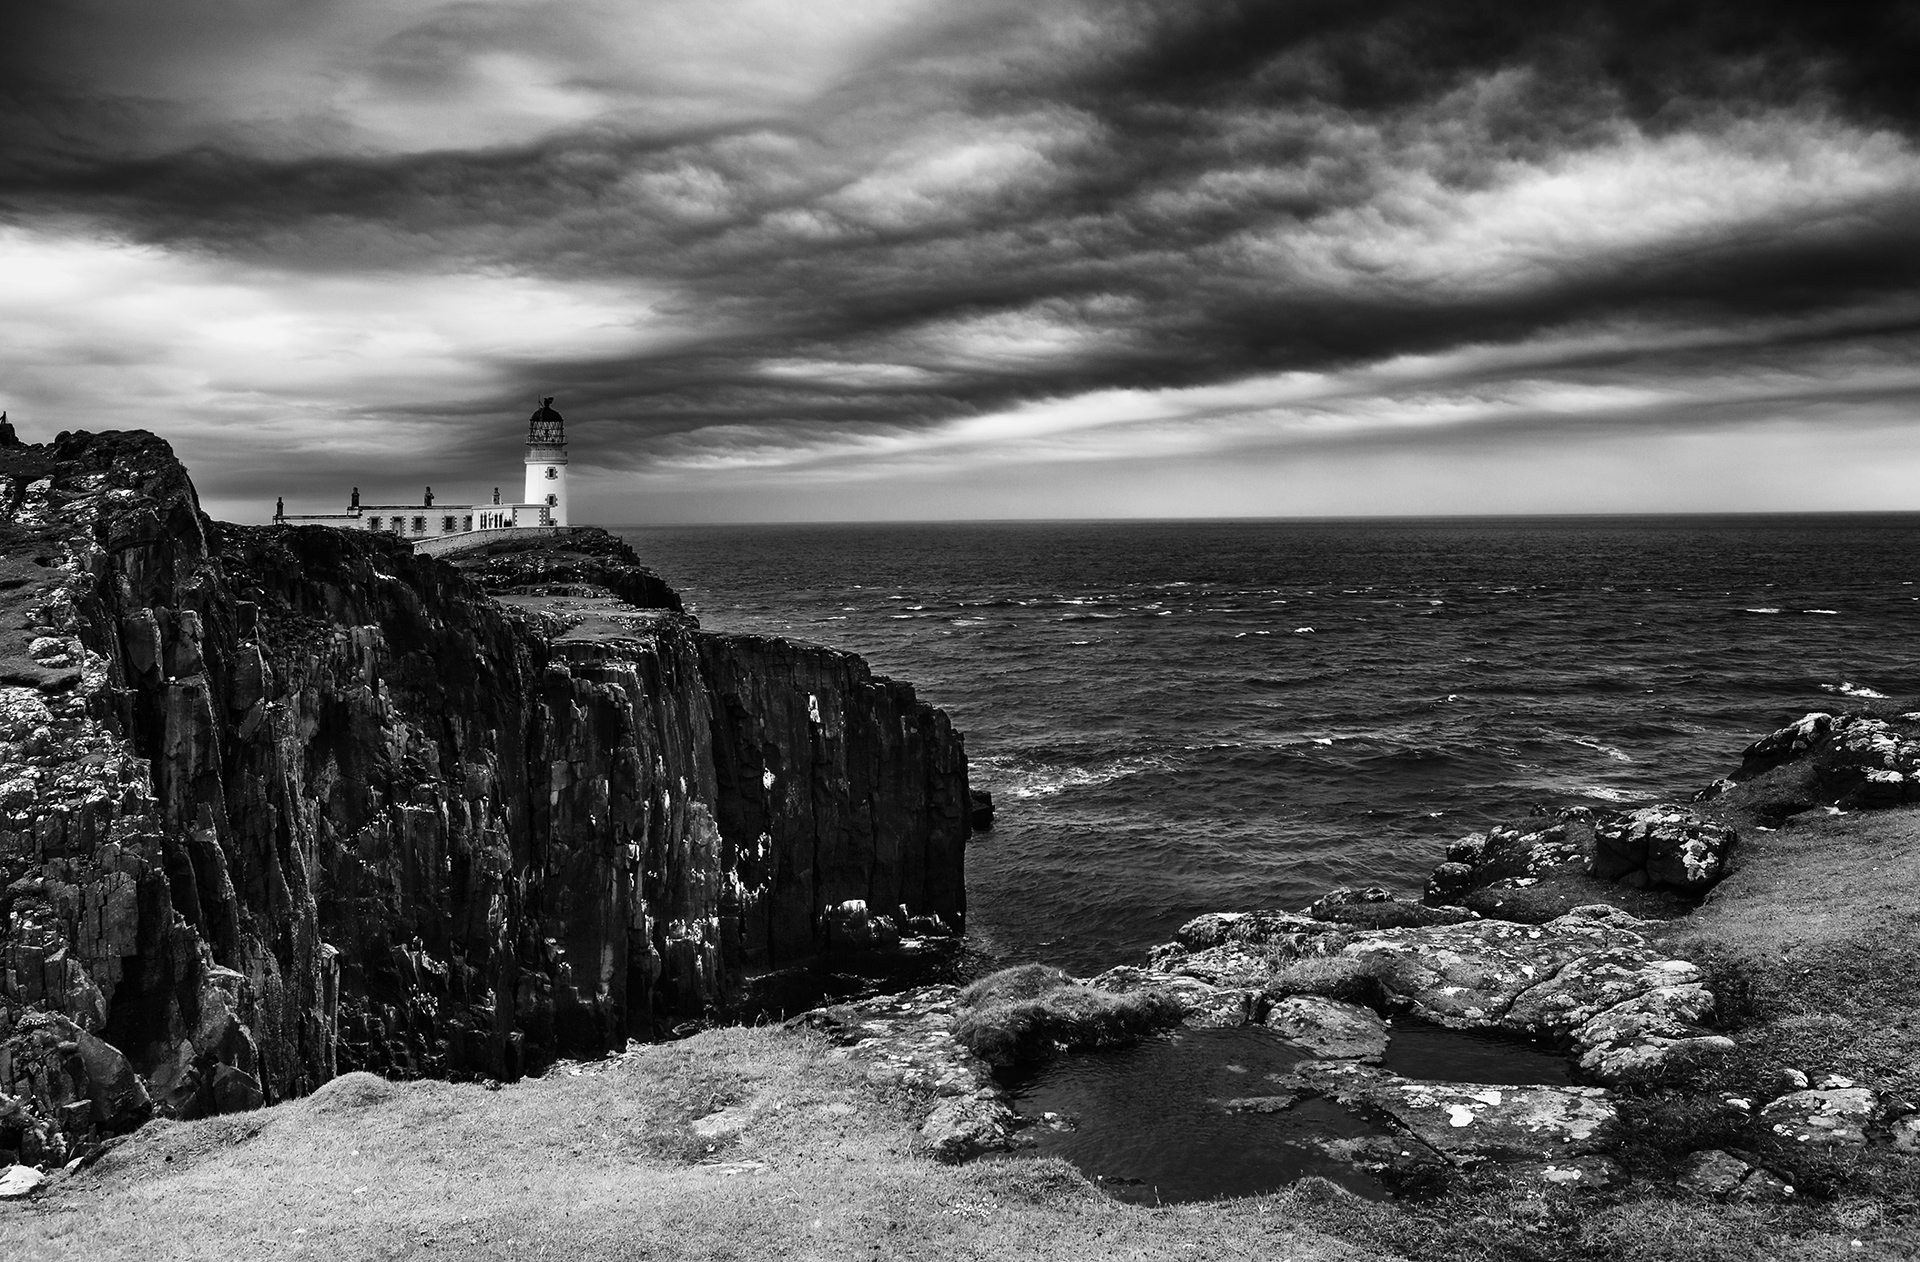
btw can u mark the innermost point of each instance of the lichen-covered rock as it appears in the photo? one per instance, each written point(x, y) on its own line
point(1588, 978)
point(1652, 861)
point(1204, 1006)
point(276, 802)
point(966, 1127)
point(1471, 1122)
point(1329, 1029)
point(1715, 1173)
point(1449, 883)
point(1663, 846)
point(1856, 759)
point(1283, 929)
point(907, 1041)
point(1471, 975)
point(1376, 908)
point(1832, 1118)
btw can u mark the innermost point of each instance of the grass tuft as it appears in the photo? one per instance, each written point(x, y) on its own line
point(1022, 981)
point(1068, 1017)
point(356, 1090)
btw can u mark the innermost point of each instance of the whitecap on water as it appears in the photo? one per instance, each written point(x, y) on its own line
point(1831, 613)
point(1761, 610)
point(1047, 779)
point(1851, 690)
point(1617, 755)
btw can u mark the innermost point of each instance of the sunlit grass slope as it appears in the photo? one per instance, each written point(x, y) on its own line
point(794, 1156)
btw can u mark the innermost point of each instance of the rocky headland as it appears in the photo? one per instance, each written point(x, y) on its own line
point(281, 803)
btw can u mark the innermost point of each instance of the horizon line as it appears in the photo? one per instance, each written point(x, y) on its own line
point(1695, 514)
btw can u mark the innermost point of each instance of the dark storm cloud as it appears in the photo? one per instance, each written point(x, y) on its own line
point(957, 212)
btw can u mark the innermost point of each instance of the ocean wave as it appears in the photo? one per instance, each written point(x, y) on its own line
point(1763, 609)
point(1604, 794)
point(1303, 630)
point(1851, 690)
point(1024, 781)
point(1830, 613)
point(1618, 755)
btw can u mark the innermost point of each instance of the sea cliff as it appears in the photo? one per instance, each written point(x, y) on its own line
point(277, 803)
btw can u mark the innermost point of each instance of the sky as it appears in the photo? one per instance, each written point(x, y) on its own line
point(898, 259)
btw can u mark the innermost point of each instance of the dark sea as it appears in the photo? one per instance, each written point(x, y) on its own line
point(1177, 717)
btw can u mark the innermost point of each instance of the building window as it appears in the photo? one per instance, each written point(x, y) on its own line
point(446, 523)
point(373, 523)
point(419, 525)
point(552, 472)
point(552, 501)
point(466, 523)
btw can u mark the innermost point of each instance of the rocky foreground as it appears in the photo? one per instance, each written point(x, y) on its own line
point(279, 803)
point(1558, 929)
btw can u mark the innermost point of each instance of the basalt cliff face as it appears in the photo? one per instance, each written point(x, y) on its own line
point(278, 803)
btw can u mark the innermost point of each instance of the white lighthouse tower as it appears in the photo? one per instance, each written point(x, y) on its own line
point(547, 462)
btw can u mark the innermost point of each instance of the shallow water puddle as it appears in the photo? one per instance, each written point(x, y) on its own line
point(1441, 1055)
point(1147, 1121)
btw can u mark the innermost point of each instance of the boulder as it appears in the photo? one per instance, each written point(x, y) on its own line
point(1715, 1173)
point(1230, 964)
point(1329, 1029)
point(120, 1100)
point(1449, 882)
point(1906, 1133)
point(1375, 908)
point(1785, 744)
point(1855, 759)
point(17, 1182)
point(850, 926)
point(967, 1126)
point(236, 1091)
point(1204, 1006)
point(1284, 929)
point(1674, 847)
point(1833, 1118)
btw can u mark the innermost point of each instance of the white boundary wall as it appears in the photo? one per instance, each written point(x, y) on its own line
point(440, 545)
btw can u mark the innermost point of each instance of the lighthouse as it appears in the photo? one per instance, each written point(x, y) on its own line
point(443, 528)
point(547, 462)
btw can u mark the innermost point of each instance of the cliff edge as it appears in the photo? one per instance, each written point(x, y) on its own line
point(277, 803)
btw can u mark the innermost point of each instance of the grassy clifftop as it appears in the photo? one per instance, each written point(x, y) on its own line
point(736, 1144)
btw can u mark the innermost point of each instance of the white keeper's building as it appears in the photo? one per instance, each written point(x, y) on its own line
point(543, 504)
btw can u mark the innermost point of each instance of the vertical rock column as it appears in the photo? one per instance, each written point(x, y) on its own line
point(835, 785)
